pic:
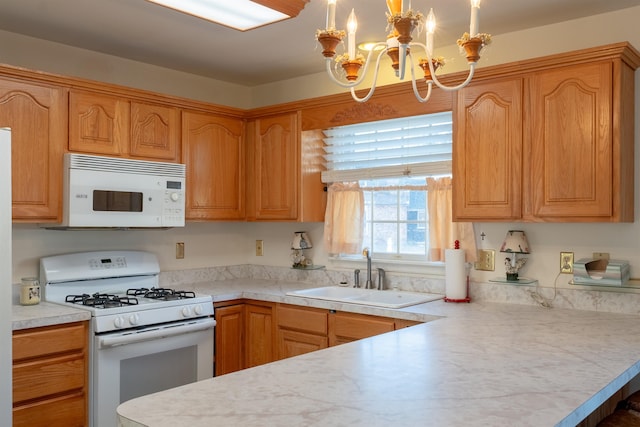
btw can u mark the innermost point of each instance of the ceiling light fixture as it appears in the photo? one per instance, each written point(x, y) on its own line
point(398, 45)
point(242, 15)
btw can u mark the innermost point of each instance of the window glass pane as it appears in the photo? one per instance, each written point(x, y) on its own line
point(385, 238)
point(385, 206)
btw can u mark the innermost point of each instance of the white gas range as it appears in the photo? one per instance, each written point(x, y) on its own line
point(139, 329)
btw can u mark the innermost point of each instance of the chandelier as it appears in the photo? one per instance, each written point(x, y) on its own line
point(399, 46)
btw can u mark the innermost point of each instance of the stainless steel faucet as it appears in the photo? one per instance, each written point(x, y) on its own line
point(380, 279)
point(368, 284)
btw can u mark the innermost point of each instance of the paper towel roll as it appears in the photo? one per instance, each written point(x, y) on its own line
point(455, 274)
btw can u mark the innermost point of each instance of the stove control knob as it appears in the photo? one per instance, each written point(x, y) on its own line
point(175, 197)
point(118, 322)
point(198, 310)
point(134, 319)
point(186, 312)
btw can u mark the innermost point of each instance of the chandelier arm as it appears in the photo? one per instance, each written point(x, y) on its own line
point(472, 68)
point(415, 85)
point(373, 84)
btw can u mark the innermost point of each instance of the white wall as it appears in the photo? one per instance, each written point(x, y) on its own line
point(212, 244)
point(56, 58)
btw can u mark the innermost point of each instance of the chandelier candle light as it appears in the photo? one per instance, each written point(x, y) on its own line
point(398, 45)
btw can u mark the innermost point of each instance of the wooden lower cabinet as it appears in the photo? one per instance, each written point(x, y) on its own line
point(260, 332)
point(251, 333)
point(50, 376)
point(229, 335)
point(244, 335)
point(301, 330)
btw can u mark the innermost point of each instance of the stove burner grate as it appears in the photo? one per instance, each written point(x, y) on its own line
point(161, 293)
point(99, 300)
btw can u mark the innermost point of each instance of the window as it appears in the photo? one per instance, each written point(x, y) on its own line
point(391, 160)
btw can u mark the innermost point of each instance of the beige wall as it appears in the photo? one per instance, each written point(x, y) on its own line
point(212, 244)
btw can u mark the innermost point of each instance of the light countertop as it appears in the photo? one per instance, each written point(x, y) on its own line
point(45, 314)
point(471, 364)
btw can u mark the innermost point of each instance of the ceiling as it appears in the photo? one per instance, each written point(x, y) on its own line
point(143, 31)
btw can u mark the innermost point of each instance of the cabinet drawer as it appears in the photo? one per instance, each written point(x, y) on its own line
point(66, 411)
point(303, 319)
point(39, 378)
point(49, 340)
point(356, 327)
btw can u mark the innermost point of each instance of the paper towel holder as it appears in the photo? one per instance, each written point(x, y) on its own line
point(467, 298)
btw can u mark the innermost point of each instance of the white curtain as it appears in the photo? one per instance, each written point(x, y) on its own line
point(443, 232)
point(344, 218)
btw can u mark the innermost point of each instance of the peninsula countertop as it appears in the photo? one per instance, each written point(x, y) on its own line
point(472, 364)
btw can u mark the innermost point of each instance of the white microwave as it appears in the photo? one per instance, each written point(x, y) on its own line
point(108, 192)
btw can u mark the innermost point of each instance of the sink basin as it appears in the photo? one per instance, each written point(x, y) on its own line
point(372, 297)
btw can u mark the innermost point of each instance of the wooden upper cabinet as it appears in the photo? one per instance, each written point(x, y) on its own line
point(551, 145)
point(98, 123)
point(155, 131)
point(575, 155)
point(487, 153)
point(276, 167)
point(213, 151)
point(284, 170)
point(37, 116)
point(115, 126)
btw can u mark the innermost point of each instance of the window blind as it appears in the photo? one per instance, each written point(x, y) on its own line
point(417, 145)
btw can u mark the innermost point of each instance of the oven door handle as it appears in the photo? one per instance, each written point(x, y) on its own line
point(164, 331)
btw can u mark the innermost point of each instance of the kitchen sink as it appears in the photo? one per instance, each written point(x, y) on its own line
point(372, 297)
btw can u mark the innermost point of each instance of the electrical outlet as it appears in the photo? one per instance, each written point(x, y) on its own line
point(180, 250)
point(259, 248)
point(486, 260)
point(566, 262)
point(601, 255)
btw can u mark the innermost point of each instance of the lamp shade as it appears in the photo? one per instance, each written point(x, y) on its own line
point(515, 242)
point(301, 241)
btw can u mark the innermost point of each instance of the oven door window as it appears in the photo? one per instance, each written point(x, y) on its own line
point(117, 201)
point(148, 374)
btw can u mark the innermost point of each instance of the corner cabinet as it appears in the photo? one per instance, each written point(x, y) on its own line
point(213, 152)
point(283, 171)
point(37, 116)
point(555, 144)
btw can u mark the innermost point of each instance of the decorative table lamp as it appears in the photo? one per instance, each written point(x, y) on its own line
point(300, 242)
point(514, 243)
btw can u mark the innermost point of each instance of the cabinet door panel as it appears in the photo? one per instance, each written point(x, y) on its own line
point(277, 167)
point(292, 343)
point(37, 118)
point(98, 124)
point(155, 131)
point(260, 338)
point(571, 142)
point(229, 335)
point(213, 152)
point(487, 152)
